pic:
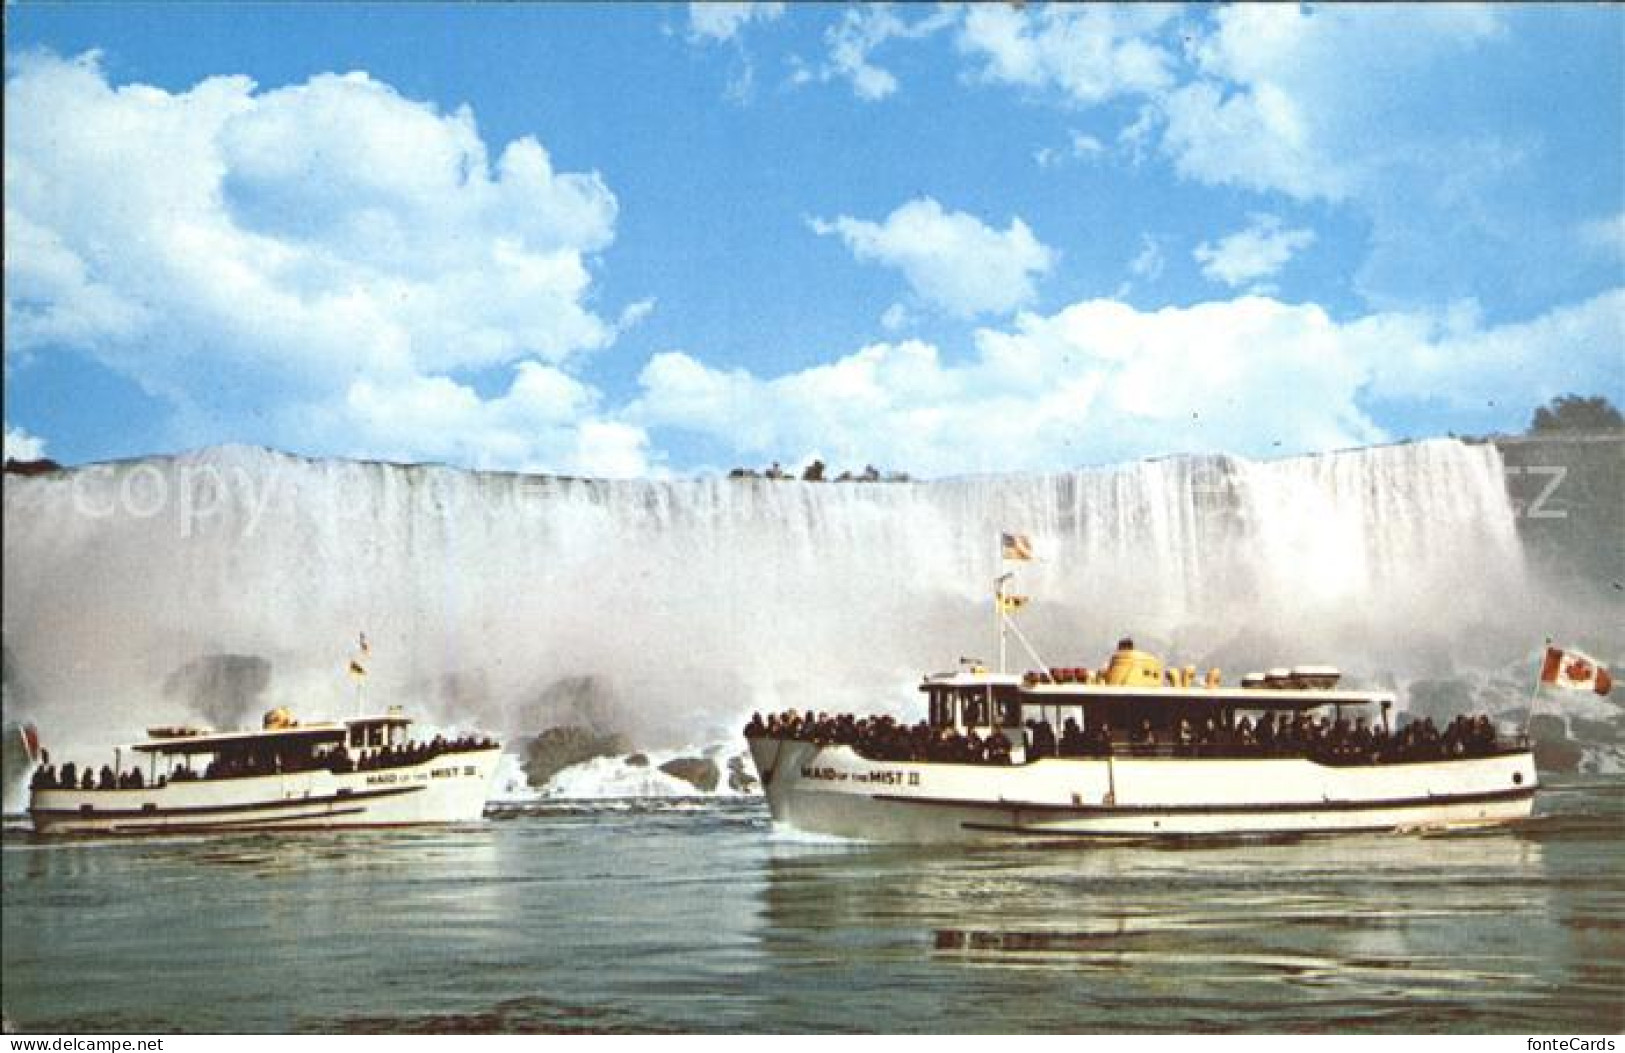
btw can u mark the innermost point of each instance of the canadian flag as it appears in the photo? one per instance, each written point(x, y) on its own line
point(31, 744)
point(1573, 669)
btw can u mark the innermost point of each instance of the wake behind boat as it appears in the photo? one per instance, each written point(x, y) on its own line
point(287, 775)
point(1135, 749)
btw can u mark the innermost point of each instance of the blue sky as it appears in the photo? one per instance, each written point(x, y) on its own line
point(661, 239)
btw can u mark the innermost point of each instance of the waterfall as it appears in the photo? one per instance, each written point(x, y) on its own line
point(233, 579)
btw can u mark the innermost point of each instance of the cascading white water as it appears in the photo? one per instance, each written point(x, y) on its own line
point(133, 590)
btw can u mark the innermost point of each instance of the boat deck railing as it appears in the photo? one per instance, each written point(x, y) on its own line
point(337, 763)
point(1346, 756)
point(1330, 756)
point(883, 739)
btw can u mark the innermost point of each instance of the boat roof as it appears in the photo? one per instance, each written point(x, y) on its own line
point(970, 678)
point(1047, 694)
point(384, 718)
point(205, 741)
point(1247, 697)
point(214, 740)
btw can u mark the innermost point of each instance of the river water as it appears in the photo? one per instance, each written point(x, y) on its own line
point(699, 916)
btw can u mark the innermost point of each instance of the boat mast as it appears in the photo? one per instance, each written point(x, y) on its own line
point(1000, 615)
point(358, 671)
point(1012, 547)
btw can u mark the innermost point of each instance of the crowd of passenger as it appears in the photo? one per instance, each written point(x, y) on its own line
point(883, 738)
point(247, 763)
point(1331, 740)
point(46, 777)
point(409, 753)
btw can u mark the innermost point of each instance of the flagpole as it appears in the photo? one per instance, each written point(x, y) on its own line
point(1003, 618)
point(998, 594)
point(1005, 604)
point(359, 671)
point(1534, 694)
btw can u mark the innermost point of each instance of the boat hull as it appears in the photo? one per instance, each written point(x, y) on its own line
point(832, 790)
point(450, 788)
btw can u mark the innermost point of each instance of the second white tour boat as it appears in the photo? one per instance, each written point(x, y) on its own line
point(287, 775)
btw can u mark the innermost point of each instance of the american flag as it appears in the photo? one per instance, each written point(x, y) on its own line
point(1015, 546)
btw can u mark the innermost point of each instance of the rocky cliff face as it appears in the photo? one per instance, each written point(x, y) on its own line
point(1568, 493)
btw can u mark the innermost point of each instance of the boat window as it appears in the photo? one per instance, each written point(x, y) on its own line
point(1007, 705)
point(375, 735)
point(975, 711)
point(357, 735)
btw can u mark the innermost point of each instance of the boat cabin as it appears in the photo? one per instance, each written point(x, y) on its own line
point(371, 735)
point(283, 744)
point(1135, 707)
point(1169, 713)
point(973, 698)
point(1134, 703)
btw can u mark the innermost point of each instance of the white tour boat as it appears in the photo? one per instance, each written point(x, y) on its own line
point(287, 775)
point(1135, 750)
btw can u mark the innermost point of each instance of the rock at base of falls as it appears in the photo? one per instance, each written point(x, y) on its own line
point(699, 772)
point(559, 748)
point(740, 779)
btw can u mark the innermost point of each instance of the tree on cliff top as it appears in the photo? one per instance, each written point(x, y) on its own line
point(1576, 413)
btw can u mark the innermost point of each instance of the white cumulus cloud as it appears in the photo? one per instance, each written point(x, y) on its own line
point(862, 30)
point(1101, 381)
point(1313, 102)
point(1449, 358)
point(724, 23)
point(1082, 146)
point(722, 20)
point(951, 260)
point(896, 317)
point(1256, 252)
point(1606, 233)
point(1089, 52)
point(545, 421)
point(284, 248)
point(21, 446)
point(1383, 109)
point(1148, 262)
